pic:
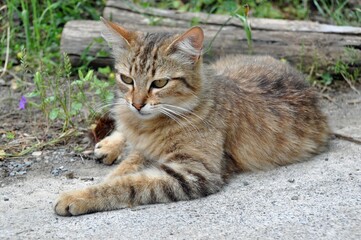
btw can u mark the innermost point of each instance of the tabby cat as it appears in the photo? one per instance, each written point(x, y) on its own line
point(190, 126)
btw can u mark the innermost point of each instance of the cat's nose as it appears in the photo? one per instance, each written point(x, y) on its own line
point(138, 106)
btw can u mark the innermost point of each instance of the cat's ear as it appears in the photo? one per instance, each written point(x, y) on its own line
point(117, 37)
point(188, 46)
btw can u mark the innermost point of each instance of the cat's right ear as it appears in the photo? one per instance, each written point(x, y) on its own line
point(117, 37)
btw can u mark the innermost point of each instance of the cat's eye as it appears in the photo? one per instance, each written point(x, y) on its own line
point(160, 83)
point(126, 79)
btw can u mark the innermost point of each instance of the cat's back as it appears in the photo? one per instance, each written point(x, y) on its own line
point(274, 114)
point(260, 74)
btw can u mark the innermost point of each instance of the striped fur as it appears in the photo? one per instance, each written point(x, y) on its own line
point(207, 123)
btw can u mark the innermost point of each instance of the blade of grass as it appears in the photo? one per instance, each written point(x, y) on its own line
point(64, 136)
point(25, 18)
point(36, 25)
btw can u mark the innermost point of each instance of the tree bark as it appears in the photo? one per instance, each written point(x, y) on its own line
point(306, 44)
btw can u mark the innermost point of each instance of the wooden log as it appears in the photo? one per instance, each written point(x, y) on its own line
point(303, 43)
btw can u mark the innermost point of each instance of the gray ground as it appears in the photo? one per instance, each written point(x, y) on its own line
point(317, 199)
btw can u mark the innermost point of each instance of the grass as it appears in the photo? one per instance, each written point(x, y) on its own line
point(340, 12)
point(35, 31)
point(30, 52)
point(30, 33)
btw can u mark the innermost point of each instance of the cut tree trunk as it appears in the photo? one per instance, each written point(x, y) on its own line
point(306, 44)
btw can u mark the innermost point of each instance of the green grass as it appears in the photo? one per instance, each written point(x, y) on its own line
point(67, 97)
point(35, 28)
point(339, 12)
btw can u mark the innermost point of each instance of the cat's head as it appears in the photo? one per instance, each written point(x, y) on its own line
point(156, 73)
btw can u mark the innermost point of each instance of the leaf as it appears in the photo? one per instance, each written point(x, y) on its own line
point(38, 79)
point(32, 94)
point(80, 74)
point(104, 70)
point(10, 135)
point(49, 99)
point(77, 82)
point(54, 113)
point(326, 78)
point(89, 75)
point(76, 106)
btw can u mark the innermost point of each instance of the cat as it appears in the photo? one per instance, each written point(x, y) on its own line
point(190, 127)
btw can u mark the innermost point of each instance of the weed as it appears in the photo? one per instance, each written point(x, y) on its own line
point(338, 11)
point(339, 70)
point(63, 98)
point(36, 26)
point(246, 26)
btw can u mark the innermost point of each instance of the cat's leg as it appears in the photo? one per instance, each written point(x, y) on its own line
point(110, 148)
point(134, 162)
point(179, 179)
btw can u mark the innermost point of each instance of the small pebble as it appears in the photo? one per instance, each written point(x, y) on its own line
point(58, 171)
point(294, 198)
point(28, 164)
point(291, 180)
point(6, 199)
point(21, 173)
point(70, 175)
point(326, 159)
point(245, 183)
point(37, 154)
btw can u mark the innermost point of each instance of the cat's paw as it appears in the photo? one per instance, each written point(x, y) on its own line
point(109, 149)
point(73, 204)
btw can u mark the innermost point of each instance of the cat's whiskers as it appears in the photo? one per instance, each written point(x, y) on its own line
point(184, 117)
point(176, 118)
point(171, 116)
point(108, 106)
point(185, 128)
point(190, 112)
point(103, 105)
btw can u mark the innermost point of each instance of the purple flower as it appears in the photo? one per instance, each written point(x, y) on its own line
point(22, 103)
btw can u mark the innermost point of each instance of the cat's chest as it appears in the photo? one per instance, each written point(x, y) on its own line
point(153, 144)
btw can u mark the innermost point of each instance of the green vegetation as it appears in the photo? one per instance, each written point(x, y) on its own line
point(341, 12)
point(56, 89)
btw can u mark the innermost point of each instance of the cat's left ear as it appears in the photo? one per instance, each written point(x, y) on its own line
point(188, 47)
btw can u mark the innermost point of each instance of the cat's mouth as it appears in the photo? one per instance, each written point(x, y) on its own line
point(144, 115)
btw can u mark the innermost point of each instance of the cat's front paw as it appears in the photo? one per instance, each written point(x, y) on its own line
point(109, 149)
point(73, 204)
